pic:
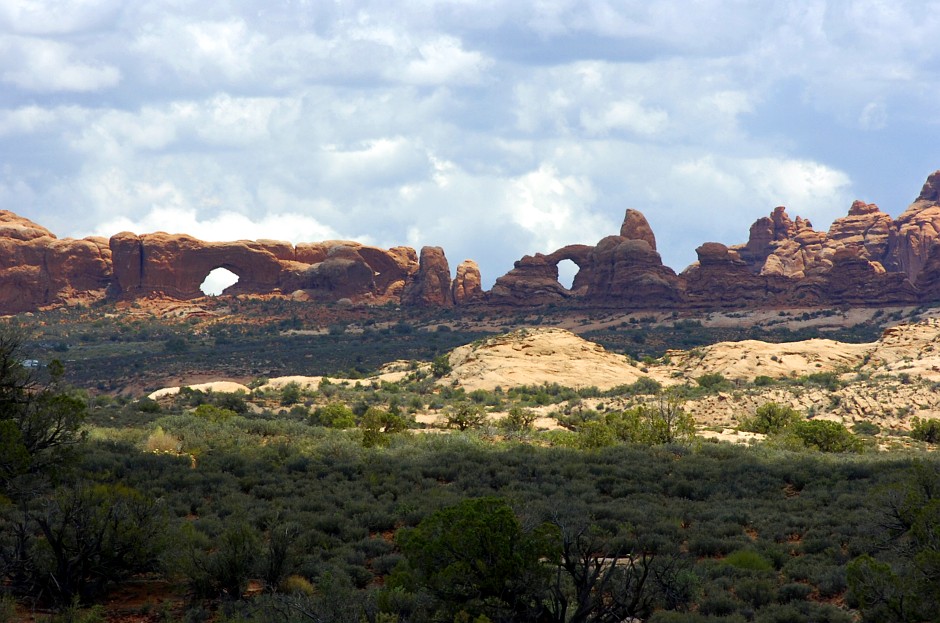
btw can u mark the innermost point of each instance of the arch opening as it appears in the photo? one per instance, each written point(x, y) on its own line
point(217, 280)
point(567, 270)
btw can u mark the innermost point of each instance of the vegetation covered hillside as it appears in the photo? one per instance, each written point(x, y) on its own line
point(405, 496)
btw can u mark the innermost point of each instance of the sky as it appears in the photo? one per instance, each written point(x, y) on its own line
point(491, 128)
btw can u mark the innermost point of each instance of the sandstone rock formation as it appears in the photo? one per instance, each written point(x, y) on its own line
point(176, 265)
point(533, 280)
point(431, 286)
point(621, 270)
point(917, 230)
point(865, 258)
point(467, 287)
point(37, 269)
point(631, 273)
point(721, 278)
point(636, 227)
point(537, 356)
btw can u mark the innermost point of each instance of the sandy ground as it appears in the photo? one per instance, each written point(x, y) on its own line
point(887, 382)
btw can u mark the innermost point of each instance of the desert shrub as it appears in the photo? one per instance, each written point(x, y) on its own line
point(79, 541)
point(148, 405)
point(213, 413)
point(519, 419)
point(770, 419)
point(712, 381)
point(222, 566)
point(763, 381)
point(665, 616)
point(233, 401)
point(7, 609)
point(926, 429)
point(756, 592)
point(464, 415)
point(749, 560)
point(708, 545)
point(379, 425)
point(595, 435)
point(802, 611)
point(161, 441)
point(441, 366)
point(474, 556)
point(866, 428)
point(334, 415)
point(290, 394)
point(826, 436)
point(719, 604)
point(793, 591)
point(827, 380)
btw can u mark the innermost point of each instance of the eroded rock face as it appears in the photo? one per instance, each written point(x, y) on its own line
point(176, 265)
point(868, 230)
point(630, 272)
point(636, 227)
point(532, 281)
point(721, 278)
point(918, 230)
point(467, 287)
point(431, 286)
point(16, 227)
point(624, 269)
point(865, 258)
point(37, 269)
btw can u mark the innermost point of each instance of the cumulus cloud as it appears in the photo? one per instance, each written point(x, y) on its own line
point(41, 65)
point(42, 17)
point(221, 227)
point(494, 129)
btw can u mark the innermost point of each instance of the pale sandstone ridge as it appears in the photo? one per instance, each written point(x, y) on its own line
point(749, 359)
point(536, 356)
point(226, 387)
point(887, 382)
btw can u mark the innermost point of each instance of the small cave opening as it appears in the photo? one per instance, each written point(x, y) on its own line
point(217, 280)
point(567, 270)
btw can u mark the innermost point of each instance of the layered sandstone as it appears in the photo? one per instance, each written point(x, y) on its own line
point(468, 284)
point(865, 258)
point(431, 286)
point(37, 269)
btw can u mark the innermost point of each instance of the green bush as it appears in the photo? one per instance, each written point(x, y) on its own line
point(334, 415)
point(925, 429)
point(148, 405)
point(519, 419)
point(712, 381)
point(290, 394)
point(213, 413)
point(441, 366)
point(464, 415)
point(748, 559)
point(869, 429)
point(771, 419)
point(826, 436)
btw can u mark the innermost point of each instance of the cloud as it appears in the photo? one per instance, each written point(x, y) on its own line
point(492, 129)
point(627, 115)
point(45, 66)
point(554, 209)
point(442, 61)
point(43, 17)
point(202, 51)
point(221, 227)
